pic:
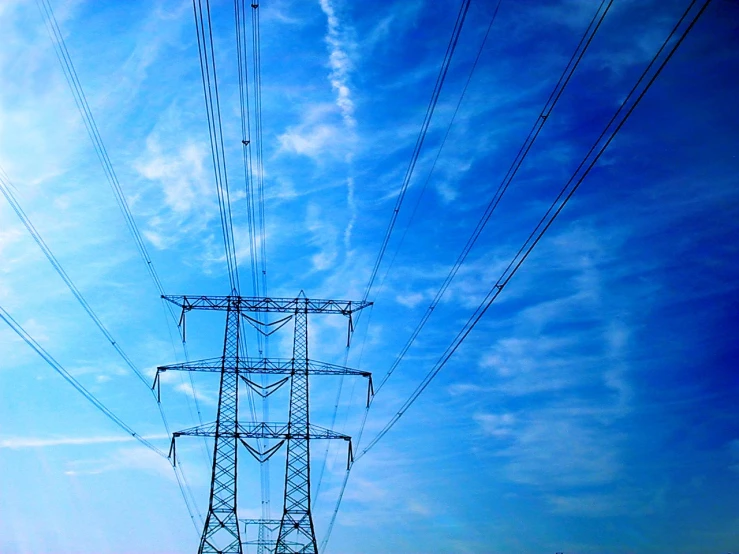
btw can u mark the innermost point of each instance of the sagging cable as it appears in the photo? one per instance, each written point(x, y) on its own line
point(255, 323)
point(262, 456)
point(265, 390)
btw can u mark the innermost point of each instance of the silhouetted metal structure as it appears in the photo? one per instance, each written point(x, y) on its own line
point(295, 530)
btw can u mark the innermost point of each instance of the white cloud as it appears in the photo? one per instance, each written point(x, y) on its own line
point(421, 508)
point(187, 389)
point(397, 20)
point(526, 365)
point(316, 136)
point(592, 505)
point(496, 425)
point(351, 205)
point(185, 198)
point(181, 175)
point(555, 451)
point(34, 442)
point(308, 139)
point(123, 459)
point(447, 192)
point(410, 299)
point(340, 63)
point(324, 236)
point(9, 236)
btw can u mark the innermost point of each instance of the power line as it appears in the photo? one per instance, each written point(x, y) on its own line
point(549, 105)
point(443, 143)
point(80, 99)
point(30, 341)
point(5, 186)
point(209, 78)
point(210, 90)
point(252, 148)
point(257, 71)
point(523, 152)
point(262, 342)
point(70, 74)
point(56, 366)
point(451, 47)
point(586, 165)
point(544, 224)
point(324, 542)
point(247, 143)
point(317, 490)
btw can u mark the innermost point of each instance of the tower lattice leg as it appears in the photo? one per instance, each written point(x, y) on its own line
point(221, 532)
point(296, 528)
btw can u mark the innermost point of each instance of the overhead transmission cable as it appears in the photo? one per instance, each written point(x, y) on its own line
point(210, 91)
point(56, 366)
point(80, 99)
point(22, 333)
point(208, 73)
point(554, 96)
point(70, 74)
point(446, 62)
point(423, 188)
point(610, 131)
point(317, 489)
point(5, 188)
point(441, 144)
point(247, 143)
point(615, 124)
point(209, 77)
point(254, 192)
point(523, 152)
point(436, 92)
point(257, 73)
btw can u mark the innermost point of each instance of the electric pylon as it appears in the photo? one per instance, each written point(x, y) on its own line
point(296, 532)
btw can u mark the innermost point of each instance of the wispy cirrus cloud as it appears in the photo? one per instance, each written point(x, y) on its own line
point(15, 443)
point(324, 236)
point(339, 43)
point(196, 394)
point(182, 174)
point(136, 458)
point(315, 136)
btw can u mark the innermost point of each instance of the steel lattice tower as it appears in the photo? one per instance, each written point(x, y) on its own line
point(296, 516)
point(296, 533)
point(221, 523)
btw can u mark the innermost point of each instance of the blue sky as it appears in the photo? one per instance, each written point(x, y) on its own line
point(592, 410)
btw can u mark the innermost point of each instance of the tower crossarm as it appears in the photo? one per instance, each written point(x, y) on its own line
point(271, 545)
point(268, 366)
point(271, 525)
point(268, 522)
point(275, 366)
point(258, 304)
point(262, 430)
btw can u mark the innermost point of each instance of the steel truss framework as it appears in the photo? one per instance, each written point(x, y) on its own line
point(267, 366)
point(296, 532)
point(271, 525)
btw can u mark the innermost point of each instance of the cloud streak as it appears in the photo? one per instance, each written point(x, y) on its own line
point(340, 63)
point(16, 443)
